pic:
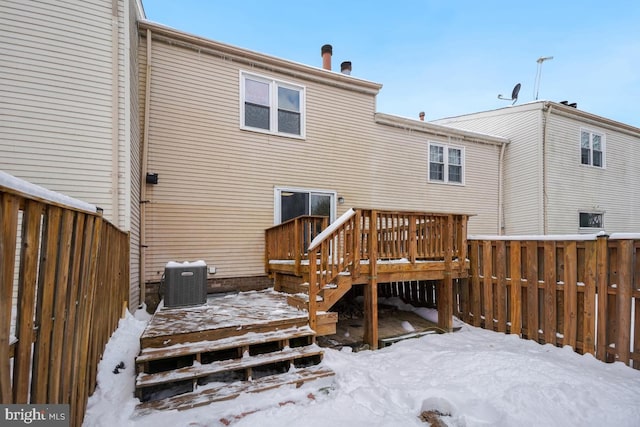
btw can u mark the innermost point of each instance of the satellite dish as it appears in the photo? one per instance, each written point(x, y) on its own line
point(514, 94)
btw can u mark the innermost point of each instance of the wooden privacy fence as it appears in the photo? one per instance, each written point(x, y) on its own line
point(582, 292)
point(64, 279)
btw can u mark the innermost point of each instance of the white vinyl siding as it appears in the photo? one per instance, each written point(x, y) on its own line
point(573, 187)
point(522, 178)
point(215, 196)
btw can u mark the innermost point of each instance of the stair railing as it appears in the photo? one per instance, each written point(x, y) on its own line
point(331, 253)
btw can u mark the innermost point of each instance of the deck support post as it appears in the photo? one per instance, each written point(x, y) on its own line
point(445, 286)
point(371, 289)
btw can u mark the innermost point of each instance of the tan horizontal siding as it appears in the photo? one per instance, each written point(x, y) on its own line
point(57, 96)
point(135, 159)
point(216, 184)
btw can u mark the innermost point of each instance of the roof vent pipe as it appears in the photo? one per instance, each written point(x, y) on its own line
point(326, 51)
point(345, 68)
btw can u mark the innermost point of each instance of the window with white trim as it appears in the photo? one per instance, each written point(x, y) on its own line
point(272, 106)
point(591, 148)
point(446, 164)
point(591, 220)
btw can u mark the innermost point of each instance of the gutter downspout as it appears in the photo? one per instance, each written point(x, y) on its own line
point(143, 174)
point(501, 190)
point(545, 128)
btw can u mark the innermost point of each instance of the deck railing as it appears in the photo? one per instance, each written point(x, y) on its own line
point(64, 280)
point(289, 241)
point(583, 292)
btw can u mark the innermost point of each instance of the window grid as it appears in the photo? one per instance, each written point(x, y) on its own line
point(446, 164)
point(591, 149)
point(271, 106)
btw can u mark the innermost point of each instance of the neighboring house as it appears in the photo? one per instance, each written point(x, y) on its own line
point(566, 171)
point(69, 117)
point(241, 141)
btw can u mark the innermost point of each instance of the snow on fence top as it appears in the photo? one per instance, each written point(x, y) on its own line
point(331, 228)
point(557, 237)
point(36, 192)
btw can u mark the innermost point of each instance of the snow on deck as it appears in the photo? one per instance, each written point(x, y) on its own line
point(226, 311)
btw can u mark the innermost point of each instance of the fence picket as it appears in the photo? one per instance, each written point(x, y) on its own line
point(9, 206)
point(603, 297)
point(44, 311)
point(475, 291)
point(623, 300)
point(570, 294)
point(515, 302)
point(532, 290)
point(589, 298)
point(550, 289)
point(487, 284)
point(501, 288)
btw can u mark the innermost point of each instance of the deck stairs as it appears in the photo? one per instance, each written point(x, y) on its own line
point(200, 366)
point(327, 297)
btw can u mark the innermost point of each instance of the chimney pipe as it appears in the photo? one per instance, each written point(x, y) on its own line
point(345, 68)
point(421, 115)
point(326, 52)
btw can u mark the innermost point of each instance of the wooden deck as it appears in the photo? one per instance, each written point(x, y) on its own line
point(319, 263)
point(245, 342)
point(222, 316)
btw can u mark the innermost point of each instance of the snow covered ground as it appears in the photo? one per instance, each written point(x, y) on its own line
point(475, 377)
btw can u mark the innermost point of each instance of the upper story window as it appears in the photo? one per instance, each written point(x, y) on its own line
point(271, 106)
point(446, 164)
point(591, 148)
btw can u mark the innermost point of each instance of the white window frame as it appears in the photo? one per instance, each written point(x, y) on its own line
point(590, 229)
point(446, 148)
point(277, 194)
point(273, 104)
point(603, 146)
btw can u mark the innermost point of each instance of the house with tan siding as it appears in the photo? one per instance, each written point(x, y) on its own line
point(69, 93)
point(566, 171)
point(197, 147)
point(238, 141)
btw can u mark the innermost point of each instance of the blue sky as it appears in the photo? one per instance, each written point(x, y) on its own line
point(443, 57)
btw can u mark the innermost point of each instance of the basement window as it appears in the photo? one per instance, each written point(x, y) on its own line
point(591, 220)
point(271, 106)
point(591, 148)
point(446, 164)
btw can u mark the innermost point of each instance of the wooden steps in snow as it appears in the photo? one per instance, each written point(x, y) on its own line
point(248, 342)
point(295, 356)
point(233, 342)
point(205, 395)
